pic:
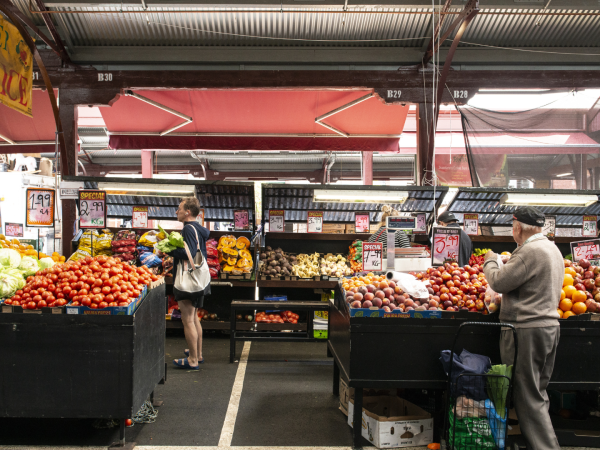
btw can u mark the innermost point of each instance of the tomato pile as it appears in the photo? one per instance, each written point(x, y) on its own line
point(93, 282)
point(285, 316)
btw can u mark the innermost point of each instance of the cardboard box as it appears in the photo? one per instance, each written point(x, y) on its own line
point(391, 422)
point(334, 228)
point(347, 393)
point(350, 228)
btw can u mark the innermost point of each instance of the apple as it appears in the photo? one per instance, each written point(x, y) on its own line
point(579, 287)
point(584, 263)
point(567, 262)
point(589, 284)
point(588, 274)
point(591, 305)
point(596, 270)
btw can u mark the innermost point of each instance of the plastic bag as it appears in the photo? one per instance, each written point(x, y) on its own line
point(463, 365)
point(409, 284)
point(492, 299)
point(497, 424)
point(125, 234)
point(149, 259)
point(149, 238)
point(467, 407)
point(470, 433)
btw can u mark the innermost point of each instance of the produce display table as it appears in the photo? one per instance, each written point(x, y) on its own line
point(387, 353)
point(306, 334)
point(82, 366)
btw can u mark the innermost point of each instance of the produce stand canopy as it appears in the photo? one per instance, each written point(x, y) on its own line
point(486, 203)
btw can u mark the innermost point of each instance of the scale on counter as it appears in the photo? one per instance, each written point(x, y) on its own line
point(401, 223)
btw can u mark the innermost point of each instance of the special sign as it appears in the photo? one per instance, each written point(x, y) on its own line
point(140, 217)
point(40, 207)
point(585, 249)
point(372, 256)
point(589, 226)
point(92, 209)
point(16, 69)
point(240, 219)
point(315, 222)
point(276, 220)
point(445, 246)
point(362, 222)
point(13, 229)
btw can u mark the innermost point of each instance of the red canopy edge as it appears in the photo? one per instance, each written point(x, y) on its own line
point(134, 142)
point(35, 148)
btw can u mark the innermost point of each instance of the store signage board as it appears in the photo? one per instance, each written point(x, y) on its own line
point(200, 217)
point(315, 222)
point(421, 227)
point(549, 229)
point(92, 209)
point(589, 249)
point(69, 190)
point(13, 229)
point(446, 243)
point(372, 256)
point(40, 207)
point(362, 223)
point(590, 228)
point(471, 224)
point(276, 220)
point(401, 223)
point(240, 218)
point(140, 217)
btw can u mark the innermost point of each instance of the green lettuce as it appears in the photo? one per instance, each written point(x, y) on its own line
point(29, 266)
point(9, 258)
point(165, 246)
point(8, 285)
point(46, 263)
point(176, 239)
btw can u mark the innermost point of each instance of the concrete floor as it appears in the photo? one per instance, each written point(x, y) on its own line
point(286, 402)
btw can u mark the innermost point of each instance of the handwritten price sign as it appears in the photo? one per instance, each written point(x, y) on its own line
point(140, 217)
point(590, 226)
point(40, 207)
point(276, 220)
point(586, 249)
point(240, 218)
point(13, 229)
point(92, 209)
point(471, 224)
point(362, 223)
point(315, 222)
point(372, 256)
point(421, 226)
point(549, 229)
point(445, 247)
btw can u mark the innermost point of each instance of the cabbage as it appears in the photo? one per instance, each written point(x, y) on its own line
point(164, 246)
point(8, 285)
point(9, 257)
point(46, 263)
point(176, 239)
point(29, 266)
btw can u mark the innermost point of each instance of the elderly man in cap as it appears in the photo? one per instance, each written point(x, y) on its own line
point(447, 219)
point(531, 282)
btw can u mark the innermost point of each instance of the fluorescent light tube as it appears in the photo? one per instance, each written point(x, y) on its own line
point(548, 199)
point(347, 196)
point(149, 190)
point(564, 174)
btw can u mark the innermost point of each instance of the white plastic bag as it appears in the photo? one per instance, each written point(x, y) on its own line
point(467, 407)
point(492, 299)
point(409, 284)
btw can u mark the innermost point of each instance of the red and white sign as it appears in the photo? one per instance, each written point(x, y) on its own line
point(140, 217)
point(421, 225)
point(315, 222)
point(471, 224)
point(446, 244)
point(362, 223)
point(40, 207)
point(200, 217)
point(590, 228)
point(276, 220)
point(585, 249)
point(372, 256)
point(13, 229)
point(240, 218)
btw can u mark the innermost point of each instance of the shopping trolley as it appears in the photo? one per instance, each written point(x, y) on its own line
point(476, 411)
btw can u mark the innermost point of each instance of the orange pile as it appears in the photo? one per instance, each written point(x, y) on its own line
point(370, 278)
point(572, 301)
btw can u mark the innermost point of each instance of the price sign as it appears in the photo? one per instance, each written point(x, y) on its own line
point(421, 226)
point(372, 256)
point(471, 224)
point(549, 229)
point(92, 209)
point(40, 207)
point(445, 246)
point(315, 222)
point(362, 223)
point(585, 249)
point(590, 226)
point(200, 217)
point(140, 217)
point(240, 218)
point(277, 220)
point(13, 229)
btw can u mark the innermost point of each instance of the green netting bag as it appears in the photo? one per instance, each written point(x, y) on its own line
point(470, 433)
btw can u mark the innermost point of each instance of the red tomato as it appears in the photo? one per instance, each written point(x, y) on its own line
point(107, 282)
point(61, 302)
point(94, 306)
point(51, 299)
point(83, 292)
point(97, 283)
point(122, 298)
point(72, 293)
point(87, 286)
point(16, 303)
point(67, 290)
point(74, 303)
point(78, 273)
point(25, 296)
point(114, 271)
point(96, 290)
point(42, 304)
point(102, 305)
point(52, 288)
point(37, 298)
point(85, 301)
point(9, 301)
point(19, 292)
point(153, 277)
point(60, 295)
point(106, 290)
point(33, 293)
point(136, 293)
point(45, 295)
point(104, 277)
point(15, 297)
point(109, 298)
point(31, 305)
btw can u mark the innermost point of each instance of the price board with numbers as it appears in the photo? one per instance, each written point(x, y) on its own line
point(13, 229)
point(276, 220)
point(200, 217)
point(549, 229)
point(40, 207)
point(589, 249)
point(471, 224)
point(315, 222)
point(240, 220)
point(92, 209)
point(590, 228)
point(362, 222)
point(421, 226)
point(445, 245)
point(140, 217)
point(372, 256)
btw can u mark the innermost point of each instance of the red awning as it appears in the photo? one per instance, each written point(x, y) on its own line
point(38, 133)
point(248, 119)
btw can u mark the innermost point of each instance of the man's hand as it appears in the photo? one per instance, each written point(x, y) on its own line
point(490, 256)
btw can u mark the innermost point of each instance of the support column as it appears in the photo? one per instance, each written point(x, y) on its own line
point(367, 168)
point(68, 166)
point(596, 178)
point(147, 163)
point(424, 159)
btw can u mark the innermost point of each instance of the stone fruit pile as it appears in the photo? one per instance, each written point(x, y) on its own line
point(581, 289)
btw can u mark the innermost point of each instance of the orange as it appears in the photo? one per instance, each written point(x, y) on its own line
point(560, 312)
point(578, 297)
point(579, 308)
point(568, 281)
point(562, 294)
point(568, 314)
point(570, 271)
point(569, 291)
point(566, 304)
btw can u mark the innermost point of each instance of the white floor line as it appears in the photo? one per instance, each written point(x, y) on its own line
point(234, 400)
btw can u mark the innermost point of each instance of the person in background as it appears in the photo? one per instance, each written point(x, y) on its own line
point(195, 236)
point(531, 283)
point(380, 235)
point(447, 219)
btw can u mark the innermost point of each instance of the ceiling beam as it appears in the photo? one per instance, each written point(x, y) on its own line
point(53, 32)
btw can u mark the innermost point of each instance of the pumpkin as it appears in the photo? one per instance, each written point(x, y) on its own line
point(244, 263)
point(227, 268)
point(231, 260)
point(242, 242)
point(229, 251)
point(226, 241)
point(245, 254)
